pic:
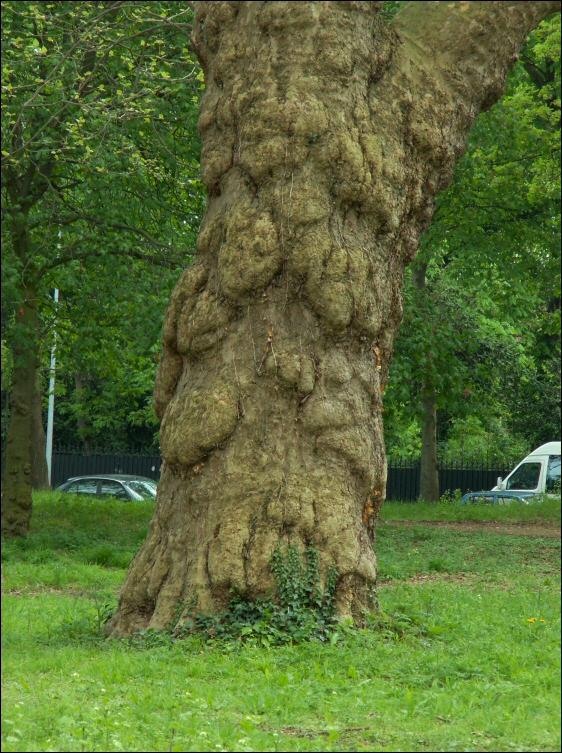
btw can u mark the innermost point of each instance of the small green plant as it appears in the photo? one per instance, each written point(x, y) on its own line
point(302, 610)
point(397, 625)
point(555, 488)
point(150, 638)
point(451, 497)
point(104, 611)
point(298, 582)
point(106, 555)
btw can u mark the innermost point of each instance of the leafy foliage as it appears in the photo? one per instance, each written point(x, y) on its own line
point(101, 194)
point(96, 145)
point(482, 334)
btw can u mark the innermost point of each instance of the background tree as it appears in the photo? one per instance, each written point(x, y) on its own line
point(98, 162)
point(107, 356)
point(326, 134)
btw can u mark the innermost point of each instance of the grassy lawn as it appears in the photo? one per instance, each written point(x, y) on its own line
point(545, 513)
point(455, 665)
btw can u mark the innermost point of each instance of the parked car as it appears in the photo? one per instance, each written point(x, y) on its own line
point(118, 485)
point(538, 473)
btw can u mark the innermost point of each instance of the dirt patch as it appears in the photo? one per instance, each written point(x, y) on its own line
point(302, 732)
point(312, 733)
point(464, 579)
point(468, 526)
point(419, 578)
point(48, 590)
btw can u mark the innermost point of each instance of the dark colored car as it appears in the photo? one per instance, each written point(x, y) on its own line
point(498, 497)
point(118, 485)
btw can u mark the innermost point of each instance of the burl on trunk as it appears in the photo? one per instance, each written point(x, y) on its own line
point(326, 135)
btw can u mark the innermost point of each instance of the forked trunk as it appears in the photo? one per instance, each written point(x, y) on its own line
point(324, 141)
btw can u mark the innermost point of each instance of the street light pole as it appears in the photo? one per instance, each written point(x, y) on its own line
point(51, 409)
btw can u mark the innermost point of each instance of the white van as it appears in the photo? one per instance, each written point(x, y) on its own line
point(539, 472)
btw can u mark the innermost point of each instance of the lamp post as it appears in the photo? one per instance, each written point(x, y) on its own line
point(51, 409)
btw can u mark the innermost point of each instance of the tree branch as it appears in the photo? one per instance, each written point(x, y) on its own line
point(470, 46)
point(72, 254)
point(121, 226)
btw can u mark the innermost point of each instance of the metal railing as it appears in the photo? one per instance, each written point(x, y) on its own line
point(403, 480)
point(71, 462)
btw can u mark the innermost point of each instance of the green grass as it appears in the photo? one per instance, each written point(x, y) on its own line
point(454, 663)
point(76, 544)
point(406, 552)
point(545, 512)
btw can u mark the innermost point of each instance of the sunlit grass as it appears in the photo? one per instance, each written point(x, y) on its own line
point(545, 512)
point(465, 655)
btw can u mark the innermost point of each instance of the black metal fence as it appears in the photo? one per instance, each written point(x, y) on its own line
point(67, 463)
point(403, 481)
point(403, 475)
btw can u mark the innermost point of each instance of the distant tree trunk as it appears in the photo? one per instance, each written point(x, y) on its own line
point(5, 415)
point(79, 386)
point(326, 135)
point(39, 470)
point(18, 476)
point(429, 472)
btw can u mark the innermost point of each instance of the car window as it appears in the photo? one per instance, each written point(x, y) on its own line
point(525, 477)
point(84, 486)
point(144, 488)
point(113, 489)
point(553, 474)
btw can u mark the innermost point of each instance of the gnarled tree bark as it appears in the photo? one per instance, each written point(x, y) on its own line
point(326, 135)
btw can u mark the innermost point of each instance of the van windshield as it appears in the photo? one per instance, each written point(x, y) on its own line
point(553, 474)
point(525, 477)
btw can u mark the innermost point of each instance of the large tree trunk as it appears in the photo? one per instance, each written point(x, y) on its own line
point(17, 483)
point(326, 135)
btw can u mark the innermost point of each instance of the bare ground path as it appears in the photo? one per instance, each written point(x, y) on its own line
point(539, 530)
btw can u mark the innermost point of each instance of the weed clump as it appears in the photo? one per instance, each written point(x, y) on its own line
point(301, 610)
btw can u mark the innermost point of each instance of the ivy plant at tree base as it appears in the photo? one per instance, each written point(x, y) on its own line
point(302, 610)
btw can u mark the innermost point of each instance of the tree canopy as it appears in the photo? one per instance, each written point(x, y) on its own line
point(101, 194)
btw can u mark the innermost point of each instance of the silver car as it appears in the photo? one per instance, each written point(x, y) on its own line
point(118, 485)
